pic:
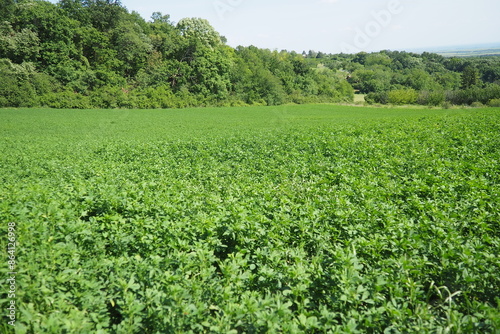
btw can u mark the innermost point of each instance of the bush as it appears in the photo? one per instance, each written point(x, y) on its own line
point(494, 103)
point(477, 105)
point(16, 93)
point(153, 98)
point(474, 94)
point(446, 105)
point(403, 96)
point(381, 97)
point(16, 88)
point(434, 98)
point(65, 100)
point(109, 97)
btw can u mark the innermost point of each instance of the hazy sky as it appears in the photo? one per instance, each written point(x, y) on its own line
point(339, 25)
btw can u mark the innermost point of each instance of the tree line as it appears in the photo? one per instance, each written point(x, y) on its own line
point(428, 79)
point(97, 54)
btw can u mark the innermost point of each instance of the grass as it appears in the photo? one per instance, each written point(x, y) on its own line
point(315, 218)
point(359, 98)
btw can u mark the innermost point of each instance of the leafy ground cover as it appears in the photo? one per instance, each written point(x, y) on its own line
point(290, 219)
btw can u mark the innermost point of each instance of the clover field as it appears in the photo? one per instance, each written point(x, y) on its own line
point(290, 219)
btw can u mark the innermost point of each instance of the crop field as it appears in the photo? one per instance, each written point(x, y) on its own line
point(290, 219)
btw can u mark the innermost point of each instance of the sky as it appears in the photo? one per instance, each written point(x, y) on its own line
point(334, 26)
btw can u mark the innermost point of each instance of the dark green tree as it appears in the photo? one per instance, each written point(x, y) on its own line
point(132, 47)
point(470, 77)
point(104, 15)
point(7, 8)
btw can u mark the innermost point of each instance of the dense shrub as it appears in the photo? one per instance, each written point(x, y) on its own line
point(431, 98)
point(494, 103)
point(65, 100)
point(109, 97)
point(402, 96)
point(19, 84)
point(474, 94)
point(382, 98)
point(16, 93)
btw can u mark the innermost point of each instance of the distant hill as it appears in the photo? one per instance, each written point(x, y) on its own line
point(475, 50)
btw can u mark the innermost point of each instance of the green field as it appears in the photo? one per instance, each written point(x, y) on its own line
point(290, 219)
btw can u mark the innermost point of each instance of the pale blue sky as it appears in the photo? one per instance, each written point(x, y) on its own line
point(339, 25)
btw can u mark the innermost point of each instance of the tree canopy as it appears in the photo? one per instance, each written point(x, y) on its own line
point(95, 53)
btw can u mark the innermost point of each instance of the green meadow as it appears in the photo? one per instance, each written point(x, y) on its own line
point(287, 219)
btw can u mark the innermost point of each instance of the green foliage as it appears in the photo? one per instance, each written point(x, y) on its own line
point(104, 15)
point(448, 80)
point(106, 57)
point(7, 8)
point(402, 96)
point(65, 100)
point(292, 219)
point(477, 105)
point(446, 105)
point(494, 102)
point(109, 97)
point(253, 79)
point(382, 98)
point(470, 77)
point(431, 98)
point(94, 47)
point(474, 94)
point(132, 47)
point(54, 30)
point(21, 84)
point(19, 47)
point(370, 80)
point(419, 79)
point(198, 30)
